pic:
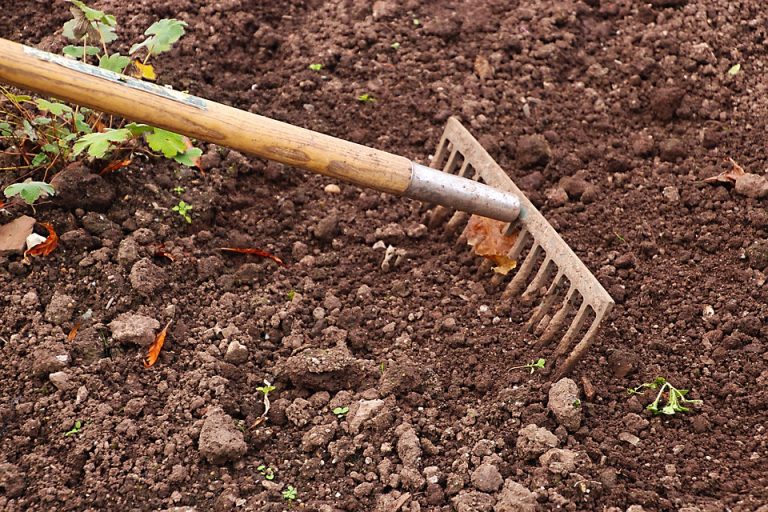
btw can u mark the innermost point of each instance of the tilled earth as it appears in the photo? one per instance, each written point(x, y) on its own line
point(609, 114)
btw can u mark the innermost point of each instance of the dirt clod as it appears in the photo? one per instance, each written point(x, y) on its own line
point(134, 328)
point(533, 440)
point(533, 151)
point(565, 404)
point(220, 440)
point(486, 478)
point(77, 187)
point(60, 309)
point(515, 497)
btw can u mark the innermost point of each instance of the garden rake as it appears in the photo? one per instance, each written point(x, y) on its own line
point(470, 182)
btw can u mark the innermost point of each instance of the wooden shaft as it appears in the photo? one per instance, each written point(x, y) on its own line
point(86, 85)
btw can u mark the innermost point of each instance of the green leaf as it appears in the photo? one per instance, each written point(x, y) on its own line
point(169, 143)
point(77, 51)
point(162, 34)
point(93, 14)
point(29, 191)
point(189, 157)
point(395, 45)
point(106, 32)
point(315, 67)
point(81, 125)
point(56, 109)
point(29, 130)
point(114, 62)
point(98, 144)
point(41, 121)
point(39, 159)
point(138, 129)
point(5, 130)
point(734, 70)
point(51, 148)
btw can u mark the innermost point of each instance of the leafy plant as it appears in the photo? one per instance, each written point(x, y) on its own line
point(734, 70)
point(265, 390)
point(315, 67)
point(29, 191)
point(291, 294)
point(266, 471)
point(538, 364)
point(395, 45)
point(290, 494)
point(178, 190)
point(340, 412)
point(183, 209)
point(366, 98)
point(75, 429)
point(672, 397)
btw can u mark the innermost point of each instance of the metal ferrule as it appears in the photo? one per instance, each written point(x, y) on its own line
point(433, 186)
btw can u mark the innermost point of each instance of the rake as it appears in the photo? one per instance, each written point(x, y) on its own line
point(470, 182)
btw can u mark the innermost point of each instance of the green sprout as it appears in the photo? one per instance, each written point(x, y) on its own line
point(395, 45)
point(266, 471)
point(291, 294)
point(178, 190)
point(734, 70)
point(674, 398)
point(75, 430)
point(366, 98)
point(533, 365)
point(340, 412)
point(183, 209)
point(416, 21)
point(576, 403)
point(315, 67)
point(290, 494)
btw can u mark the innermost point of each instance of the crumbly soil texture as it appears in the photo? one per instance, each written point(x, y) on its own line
point(394, 385)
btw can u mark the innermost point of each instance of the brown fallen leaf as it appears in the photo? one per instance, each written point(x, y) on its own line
point(73, 332)
point(119, 164)
point(487, 238)
point(144, 71)
point(154, 349)
point(255, 252)
point(161, 252)
point(729, 176)
point(45, 248)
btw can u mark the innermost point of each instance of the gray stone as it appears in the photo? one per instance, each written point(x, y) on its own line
point(532, 441)
point(408, 446)
point(487, 478)
point(515, 497)
point(61, 380)
point(559, 461)
point(220, 440)
point(13, 236)
point(237, 353)
point(473, 501)
point(565, 404)
point(60, 309)
point(133, 328)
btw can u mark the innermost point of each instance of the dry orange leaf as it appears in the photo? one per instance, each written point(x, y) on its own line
point(487, 238)
point(729, 176)
point(119, 164)
point(45, 248)
point(145, 71)
point(73, 332)
point(154, 349)
point(255, 252)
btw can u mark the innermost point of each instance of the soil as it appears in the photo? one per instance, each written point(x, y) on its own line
point(609, 114)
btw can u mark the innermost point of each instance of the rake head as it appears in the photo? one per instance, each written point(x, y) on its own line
point(572, 302)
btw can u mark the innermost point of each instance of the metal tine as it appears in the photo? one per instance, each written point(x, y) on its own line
point(539, 279)
point(514, 253)
point(518, 281)
point(573, 330)
point(559, 319)
point(580, 349)
point(440, 213)
point(442, 148)
point(459, 217)
point(546, 303)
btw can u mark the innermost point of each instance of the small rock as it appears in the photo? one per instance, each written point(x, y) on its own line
point(146, 277)
point(575, 187)
point(665, 101)
point(671, 194)
point(77, 187)
point(752, 185)
point(408, 447)
point(13, 235)
point(60, 309)
point(128, 252)
point(133, 328)
point(12, 480)
point(626, 260)
point(332, 188)
point(61, 380)
point(757, 253)
point(629, 438)
point(417, 231)
point(622, 363)
point(533, 151)
point(634, 422)
point(220, 440)
point(533, 440)
point(411, 479)
point(487, 478)
point(391, 233)
point(365, 410)
point(237, 353)
point(559, 462)
point(557, 197)
point(515, 497)
point(45, 362)
point(473, 501)
point(327, 228)
point(642, 145)
point(331, 369)
point(565, 404)
point(672, 150)
point(318, 437)
point(483, 68)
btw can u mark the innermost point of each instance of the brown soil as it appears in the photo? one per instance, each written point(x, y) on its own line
point(633, 104)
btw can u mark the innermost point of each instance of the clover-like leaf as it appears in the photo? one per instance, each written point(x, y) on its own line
point(162, 34)
point(77, 52)
point(29, 191)
point(168, 143)
point(114, 62)
point(99, 143)
point(54, 108)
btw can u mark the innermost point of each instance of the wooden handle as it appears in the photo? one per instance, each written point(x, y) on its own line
point(102, 90)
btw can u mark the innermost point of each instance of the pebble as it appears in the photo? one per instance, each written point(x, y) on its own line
point(565, 404)
point(629, 438)
point(237, 353)
point(327, 227)
point(132, 328)
point(559, 462)
point(60, 309)
point(752, 185)
point(332, 188)
point(533, 440)
point(487, 478)
point(13, 235)
point(515, 497)
point(671, 194)
point(61, 380)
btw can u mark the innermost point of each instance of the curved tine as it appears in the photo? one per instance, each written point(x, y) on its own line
point(573, 330)
point(546, 303)
point(442, 148)
point(579, 350)
point(540, 278)
point(517, 248)
point(454, 223)
point(518, 281)
point(559, 319)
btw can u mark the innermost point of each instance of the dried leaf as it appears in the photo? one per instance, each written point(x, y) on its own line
point(729, 176)
point(73, 332)
point(487, 238)
point(144, 71)
point(118, 164)
point(154, 349)
point(45, 248)
point(256, 252)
